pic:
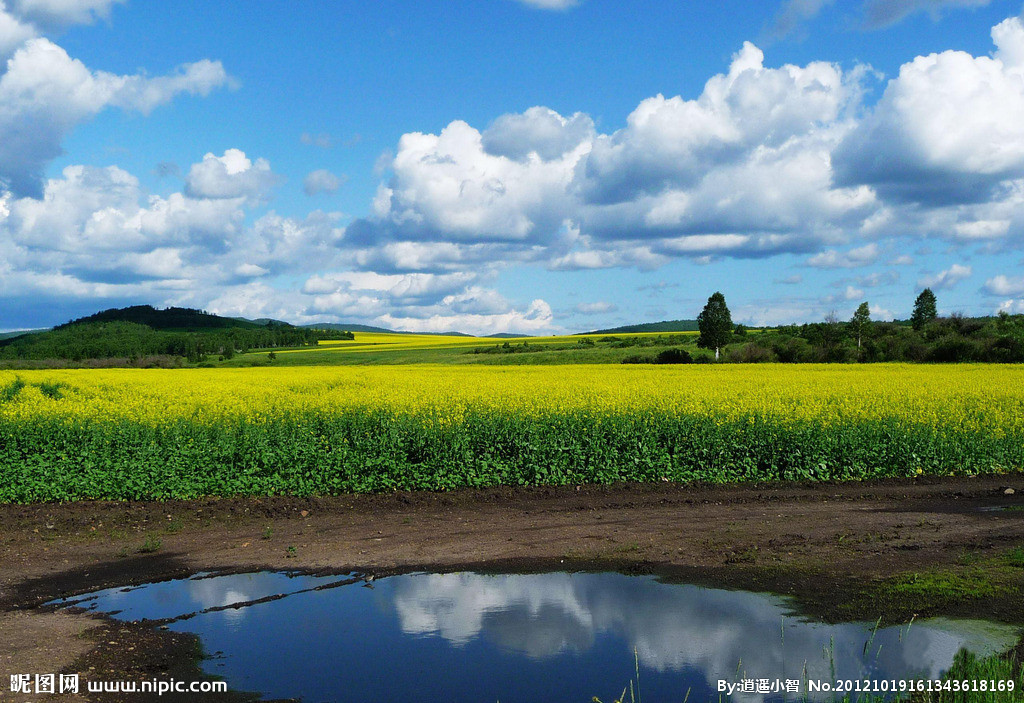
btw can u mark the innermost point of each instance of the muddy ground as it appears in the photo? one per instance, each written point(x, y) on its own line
point(840, 549)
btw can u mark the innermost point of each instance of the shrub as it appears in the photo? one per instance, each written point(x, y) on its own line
point(752, 353)
point(673, 356)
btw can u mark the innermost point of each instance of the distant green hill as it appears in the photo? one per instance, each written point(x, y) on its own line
point(177, 319)
point(370, 328)
point(665, 326)
point(346, 327)
point(262, 321)
point(16, 333)
point(140, 331)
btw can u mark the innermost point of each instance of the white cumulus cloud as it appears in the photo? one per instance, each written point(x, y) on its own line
point(45, 93)
point(321, 181)
point(948, 129)
point(232, 175)
point(1005, 285)
point(61, 13)
point(946, 279)
point(832, 258)
point(598, 308)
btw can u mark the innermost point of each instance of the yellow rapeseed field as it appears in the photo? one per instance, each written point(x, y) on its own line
point(160, 434)
point(391, 341)
point(985, 398)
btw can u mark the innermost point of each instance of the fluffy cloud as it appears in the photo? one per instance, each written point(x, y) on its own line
point(882, 13)
point(538, 131)
point(447, 186)
point(764, 161)
point(874, 280)
point(1012, 307)
point(61, 13)
point(322, 140)
point(949, 129)
point(743, 170)
point(421, 302)
point(551, 4)
point(670, 142)
point(1004, 285)
point(44, 93)
point(598, 308)
point(321, 181)
point(98, 238)
point(90, 212)
point(877, 13)
point(102, 236)
point(852, 293)
point(946, 279)
point(232, 175)
point(831, 259)
point(537, 317)
point(793, 13)
point(13, 33)
point(880, 313)
point(412, 288)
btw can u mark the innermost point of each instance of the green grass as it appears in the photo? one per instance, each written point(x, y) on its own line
point(152, 544)
point(983, 585)
point(561, 350)
point(10, 391)
point(942, 586)
point(372, 451)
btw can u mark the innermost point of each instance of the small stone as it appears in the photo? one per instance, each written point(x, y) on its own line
point(1009, 492)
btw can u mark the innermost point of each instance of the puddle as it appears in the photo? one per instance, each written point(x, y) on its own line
point(539, 637)
point(1002, 508)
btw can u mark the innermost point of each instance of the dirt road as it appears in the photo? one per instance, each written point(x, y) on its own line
point(833, 547)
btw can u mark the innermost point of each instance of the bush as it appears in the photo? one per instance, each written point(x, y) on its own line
point(953, 348)
point(752, 353)
point(792, 350)
point(673, 356)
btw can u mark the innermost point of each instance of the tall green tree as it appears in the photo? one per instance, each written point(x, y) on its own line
point(715, 324)
point(924, 309)
point(860, 321)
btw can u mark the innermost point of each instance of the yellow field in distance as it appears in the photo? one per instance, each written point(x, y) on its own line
point(393, 341)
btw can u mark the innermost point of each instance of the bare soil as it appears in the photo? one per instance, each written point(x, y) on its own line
point(831, 546)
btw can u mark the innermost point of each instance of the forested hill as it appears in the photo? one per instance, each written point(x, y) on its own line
point(351, 327)
point(664, 326)
point(142, 331)
point(177, 319)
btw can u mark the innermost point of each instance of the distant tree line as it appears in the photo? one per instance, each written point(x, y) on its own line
point(926, 337)
point(103, 340)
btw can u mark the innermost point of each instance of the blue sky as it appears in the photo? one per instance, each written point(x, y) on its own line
point(510, 165)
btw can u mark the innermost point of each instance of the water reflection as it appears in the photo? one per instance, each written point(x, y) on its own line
point(542, 637)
